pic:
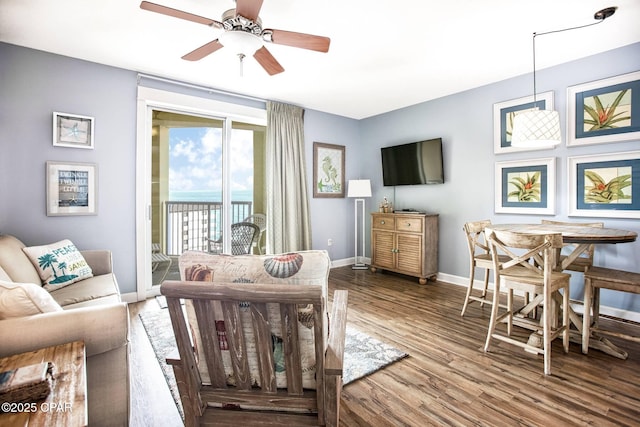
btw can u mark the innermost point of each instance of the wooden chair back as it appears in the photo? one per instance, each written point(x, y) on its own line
point(479, 257)
point(236, 394)
point(475, 237)
point(536, 254)
point(526, 262)
point(584, 260)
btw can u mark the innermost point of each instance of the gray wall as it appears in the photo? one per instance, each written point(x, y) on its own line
point(33, 84)
point(465, 123)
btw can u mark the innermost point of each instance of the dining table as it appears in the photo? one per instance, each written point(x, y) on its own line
point(581, 237)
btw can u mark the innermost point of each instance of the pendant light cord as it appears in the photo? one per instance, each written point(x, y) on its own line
point(600, 16)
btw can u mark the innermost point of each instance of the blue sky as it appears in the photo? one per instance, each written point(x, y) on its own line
point(195, 159)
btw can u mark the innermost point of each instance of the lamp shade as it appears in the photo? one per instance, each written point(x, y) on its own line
point(359, 188)
point(535, 129)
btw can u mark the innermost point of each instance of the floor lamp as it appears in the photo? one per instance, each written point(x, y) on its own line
point(359, 188)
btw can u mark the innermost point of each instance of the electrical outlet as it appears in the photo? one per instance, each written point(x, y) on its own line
point(330, 242)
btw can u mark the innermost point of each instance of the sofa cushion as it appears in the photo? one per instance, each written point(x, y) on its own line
point(87, 292)
point(15, 263)
point(59, 264)
point(24, 299)
point(299, 268)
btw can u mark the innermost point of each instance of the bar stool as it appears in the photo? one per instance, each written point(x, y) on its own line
point(597, 278)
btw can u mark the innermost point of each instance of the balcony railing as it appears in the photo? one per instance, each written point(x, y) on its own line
point(190, 225)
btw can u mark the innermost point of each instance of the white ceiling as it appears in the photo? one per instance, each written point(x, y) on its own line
point(384, 54)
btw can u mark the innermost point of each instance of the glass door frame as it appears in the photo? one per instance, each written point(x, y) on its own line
point(149, 99)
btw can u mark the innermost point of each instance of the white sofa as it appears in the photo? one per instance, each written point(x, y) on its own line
point(91, 312)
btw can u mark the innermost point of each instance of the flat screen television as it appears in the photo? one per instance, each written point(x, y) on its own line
point(414, 163)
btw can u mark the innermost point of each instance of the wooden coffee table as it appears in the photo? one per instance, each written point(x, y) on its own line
point(66, 405)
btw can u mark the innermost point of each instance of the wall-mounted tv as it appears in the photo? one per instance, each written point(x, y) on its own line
point(414, 163)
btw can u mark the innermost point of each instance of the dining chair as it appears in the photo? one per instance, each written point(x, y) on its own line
point(261, 221)
point(258, 341)
point(479, 257)
point(530, 268)
point(584, 260)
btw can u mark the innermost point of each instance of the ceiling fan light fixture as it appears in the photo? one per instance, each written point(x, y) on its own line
point(240, 42)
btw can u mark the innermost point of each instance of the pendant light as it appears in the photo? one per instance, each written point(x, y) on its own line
point(538, 128)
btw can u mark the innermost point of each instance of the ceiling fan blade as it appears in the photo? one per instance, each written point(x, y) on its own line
point(203, 51)
point(301, 40)
point(248, 8)
point(268, 62)
point(164, 10)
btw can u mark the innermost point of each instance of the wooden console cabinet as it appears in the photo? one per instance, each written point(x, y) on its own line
point(405, 243)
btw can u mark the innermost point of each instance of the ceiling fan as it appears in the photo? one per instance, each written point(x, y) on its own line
point(244, 32)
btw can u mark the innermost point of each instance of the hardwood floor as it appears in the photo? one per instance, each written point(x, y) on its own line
point(447, 379)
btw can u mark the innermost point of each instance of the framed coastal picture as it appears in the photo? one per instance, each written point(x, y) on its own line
point(605, 185)
point(505, 112)
point(328, 170)
point(526, 186)
point(604, 111)
point(71, 188)
point(72, 130)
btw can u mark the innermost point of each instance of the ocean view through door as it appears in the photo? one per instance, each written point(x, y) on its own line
point(207, 173)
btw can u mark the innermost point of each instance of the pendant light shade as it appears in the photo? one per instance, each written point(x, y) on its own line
point(536, 129)
point(541, 128)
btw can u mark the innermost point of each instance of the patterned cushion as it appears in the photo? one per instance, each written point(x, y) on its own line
point(24, 299)
point(59, 264)
point(299, 268)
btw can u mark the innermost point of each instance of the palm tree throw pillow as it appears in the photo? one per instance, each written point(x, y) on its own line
point(59, 264)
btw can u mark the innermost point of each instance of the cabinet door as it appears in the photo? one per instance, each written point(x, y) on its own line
point(409, 253)
point(383, 249)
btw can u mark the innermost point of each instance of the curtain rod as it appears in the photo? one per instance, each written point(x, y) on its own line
point(198, 87)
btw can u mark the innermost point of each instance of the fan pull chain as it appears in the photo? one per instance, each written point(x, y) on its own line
point(241, 56)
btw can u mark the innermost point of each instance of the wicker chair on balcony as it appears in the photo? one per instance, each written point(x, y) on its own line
point(261, 221)
point(243, 234)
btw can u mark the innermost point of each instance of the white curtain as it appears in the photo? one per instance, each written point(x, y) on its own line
point(288, 219)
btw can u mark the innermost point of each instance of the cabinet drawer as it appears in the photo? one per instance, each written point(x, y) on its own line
point(384, 222)
point(409, 224)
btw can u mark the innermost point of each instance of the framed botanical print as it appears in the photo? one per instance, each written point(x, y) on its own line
point(505, 112)
point(605, 185)
point(328, 170)
point(72, 130)
point(72, 188)
point(604, 111)
point(526, 186)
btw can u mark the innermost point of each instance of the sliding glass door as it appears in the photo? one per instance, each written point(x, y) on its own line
point(206, 174)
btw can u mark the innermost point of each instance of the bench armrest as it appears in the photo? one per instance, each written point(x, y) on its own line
point(337, 333)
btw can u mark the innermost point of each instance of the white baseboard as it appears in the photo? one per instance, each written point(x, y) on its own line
point(577, 306)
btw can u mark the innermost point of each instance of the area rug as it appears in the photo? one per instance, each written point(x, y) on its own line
point(363, 354)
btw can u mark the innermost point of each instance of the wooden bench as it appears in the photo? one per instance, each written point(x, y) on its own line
point(596, 278)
